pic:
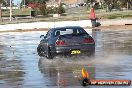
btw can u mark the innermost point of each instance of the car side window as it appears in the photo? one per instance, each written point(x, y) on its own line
point(80, 31)
point(57, 33)
point(49, 33)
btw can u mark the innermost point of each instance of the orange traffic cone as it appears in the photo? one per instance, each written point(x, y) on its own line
point(92, 14)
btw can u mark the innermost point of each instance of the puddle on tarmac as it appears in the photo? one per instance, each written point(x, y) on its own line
point(21, 67)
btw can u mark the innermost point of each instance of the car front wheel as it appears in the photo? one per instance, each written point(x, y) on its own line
point(40, 51)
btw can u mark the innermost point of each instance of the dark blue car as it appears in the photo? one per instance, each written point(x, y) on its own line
point(72, 40)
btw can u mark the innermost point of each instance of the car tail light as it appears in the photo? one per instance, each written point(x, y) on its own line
point(88, 40)
point(60, 42)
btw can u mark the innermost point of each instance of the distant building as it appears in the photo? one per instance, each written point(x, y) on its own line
point(73, 1)
point(70, 2)
point(67, 2)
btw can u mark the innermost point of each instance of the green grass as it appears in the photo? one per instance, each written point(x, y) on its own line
point(71, 14)
point(17, 12)
point(116, 15)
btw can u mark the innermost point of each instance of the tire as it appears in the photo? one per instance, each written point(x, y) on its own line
point(49, 55)
point(40, 51)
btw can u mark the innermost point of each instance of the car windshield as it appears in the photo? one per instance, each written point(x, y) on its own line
point(70, 31)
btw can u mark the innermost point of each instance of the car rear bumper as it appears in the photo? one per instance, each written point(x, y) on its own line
point(67, 49)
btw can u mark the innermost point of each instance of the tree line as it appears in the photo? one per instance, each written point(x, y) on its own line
point(109, 4)
point(113, 4)
point(7, 3)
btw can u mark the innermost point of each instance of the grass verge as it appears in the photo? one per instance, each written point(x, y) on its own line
point(71, 14)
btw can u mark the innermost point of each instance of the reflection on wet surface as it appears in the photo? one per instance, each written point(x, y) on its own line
point(63, 72)
point(21, 67)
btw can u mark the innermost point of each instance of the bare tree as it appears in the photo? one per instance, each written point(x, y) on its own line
point(1, 2)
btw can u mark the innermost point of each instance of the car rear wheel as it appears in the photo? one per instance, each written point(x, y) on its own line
point(49, 55)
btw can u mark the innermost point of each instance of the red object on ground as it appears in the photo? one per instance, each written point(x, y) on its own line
point(92, 14)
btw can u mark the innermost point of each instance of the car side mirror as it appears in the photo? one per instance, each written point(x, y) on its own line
point(42, 36)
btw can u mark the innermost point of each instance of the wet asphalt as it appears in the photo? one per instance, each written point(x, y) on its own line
point(21, 67)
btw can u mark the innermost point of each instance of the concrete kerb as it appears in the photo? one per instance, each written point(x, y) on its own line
point(44, 25)
point(113, 22)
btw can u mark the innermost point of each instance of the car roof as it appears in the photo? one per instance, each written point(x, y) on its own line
point(66, 27)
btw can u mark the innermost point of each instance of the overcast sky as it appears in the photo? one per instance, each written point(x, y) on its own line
point(16, 1)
